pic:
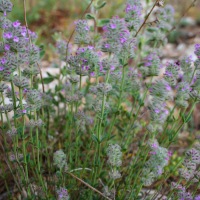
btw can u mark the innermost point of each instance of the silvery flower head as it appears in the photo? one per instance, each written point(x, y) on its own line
point(82, 32)
point(59, 159)
point(158, 111)
point(133, 13)
point(161, 89)
point(197, 50)
point(21, 82)
point(151, 65)
point(114, 155)
point(171, 73)
point(166, 17)
point(104, 88)
point(3, 87)
point(34, 99)
point(35, 123)
point(183, 94)
point(5, 6)
point(32, 70)
point(85, 61)
point(116, 34)
point(62, 194)
point(115, 174)
point(186, 66)
point(159, 157)
point(61, 46)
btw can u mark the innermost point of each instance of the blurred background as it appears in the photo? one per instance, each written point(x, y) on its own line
point(49, 16)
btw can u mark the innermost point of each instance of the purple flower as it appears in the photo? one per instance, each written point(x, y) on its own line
point(168, 87)
point(154, 145)
point(113, 26)
point(1, 68)
point(16, 24)
point(122, 40)
point(16, 39)
point(107, 46)
point(157, 110)
point(7, 35)
point(7, 47)
point(23, 33)
point(87, 28)
point(197, 197)
point(128, 8)
point(112, 68)
point(197, 50)
point(24, 111)
point(3, 61)
point(90, 47)
point(25, 90)
point(92, 74)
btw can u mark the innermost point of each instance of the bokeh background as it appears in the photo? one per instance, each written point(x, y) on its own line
point(49, 16)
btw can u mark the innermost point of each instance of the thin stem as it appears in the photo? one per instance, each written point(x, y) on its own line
point(147, 17)
point(89, 186)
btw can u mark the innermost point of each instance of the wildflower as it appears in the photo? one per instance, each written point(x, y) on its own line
point(133, 13)
point(5, 6)
point(197, 50)
point(7, 35)
point(15, 39)
point(62, 194)
point(59, 159)
point(7, 47)
point(165, 17)
point(16, 24)
point(171, 73)
point(154, 166)
point(116, 34)
point(151, 65)
point(114, 155)
point(82, 32)
point(183, 94)
point(114, 174)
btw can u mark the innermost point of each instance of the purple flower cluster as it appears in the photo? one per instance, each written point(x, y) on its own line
point(151, 65)
point(172, 73)
point(183, 94)
point(16, 36)
point(159, 158)
point(197, 50)
point(62, 194)
point(191, 162)
point(116, 35)
point(181, 193)
point(85, 61)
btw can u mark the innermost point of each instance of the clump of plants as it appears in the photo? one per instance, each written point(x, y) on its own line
point(105, 128)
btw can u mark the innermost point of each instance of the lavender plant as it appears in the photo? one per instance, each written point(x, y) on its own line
point(105, 129)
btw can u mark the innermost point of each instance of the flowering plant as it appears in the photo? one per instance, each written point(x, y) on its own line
point(106, 127)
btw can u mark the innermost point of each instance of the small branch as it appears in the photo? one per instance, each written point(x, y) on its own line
point(70, 37)
point(147, 17)
point(86, 184)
